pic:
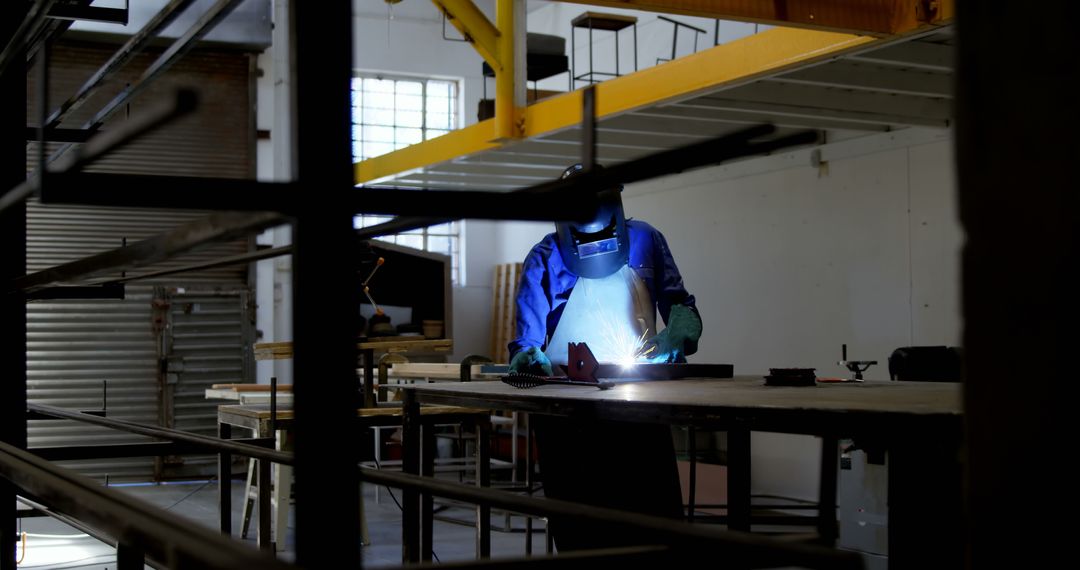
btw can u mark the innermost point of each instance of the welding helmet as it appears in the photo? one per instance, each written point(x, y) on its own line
point(601, 246)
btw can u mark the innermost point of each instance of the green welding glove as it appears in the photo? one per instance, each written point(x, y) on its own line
point(532, 360)
point(678, 339)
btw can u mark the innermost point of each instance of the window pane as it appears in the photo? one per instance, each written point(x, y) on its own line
point(438, 120)
point(379, 134)
point(376, 148)
point(379, 100)
point(432, 133)
point(408, 136)
point(378, 116)
point(373, 85)
point(438, 89)
point(357, 132)
point(444, 229)
point(410, 240)
point(358, 150)
point(409, 102)
point(409, 119)
point(439, 244)
point(409, 88)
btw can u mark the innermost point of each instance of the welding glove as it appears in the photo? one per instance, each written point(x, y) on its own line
point(679, 337)
point(532, 360)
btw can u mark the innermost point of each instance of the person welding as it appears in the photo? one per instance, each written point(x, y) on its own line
point(602, 283)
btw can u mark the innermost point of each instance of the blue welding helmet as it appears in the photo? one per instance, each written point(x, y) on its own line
point(601, 246)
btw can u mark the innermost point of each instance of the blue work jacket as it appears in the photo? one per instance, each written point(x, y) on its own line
point(546, 284)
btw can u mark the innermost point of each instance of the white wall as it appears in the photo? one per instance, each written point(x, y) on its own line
point(788, 262)
point(412, 44)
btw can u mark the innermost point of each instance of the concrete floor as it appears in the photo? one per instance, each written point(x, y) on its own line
point(54, 545)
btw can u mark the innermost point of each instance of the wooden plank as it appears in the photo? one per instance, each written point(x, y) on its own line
point(283, 350)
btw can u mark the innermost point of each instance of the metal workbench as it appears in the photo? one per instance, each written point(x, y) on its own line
point(920, 424)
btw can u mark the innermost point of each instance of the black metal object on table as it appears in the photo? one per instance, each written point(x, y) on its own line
point(856, 367)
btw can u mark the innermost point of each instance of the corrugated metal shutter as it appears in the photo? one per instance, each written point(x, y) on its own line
point(75, 346)
point(207, 341)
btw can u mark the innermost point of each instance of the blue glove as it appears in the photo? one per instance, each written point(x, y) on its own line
point(532, 360)
point(679, 338)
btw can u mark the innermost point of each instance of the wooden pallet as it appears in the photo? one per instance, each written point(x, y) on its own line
point(504, 309)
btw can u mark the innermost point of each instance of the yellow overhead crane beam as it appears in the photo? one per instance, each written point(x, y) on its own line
point(740, 61)
point(503, 49)
point(864, 17)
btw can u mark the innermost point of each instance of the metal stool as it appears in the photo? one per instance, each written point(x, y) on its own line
point(598, 21)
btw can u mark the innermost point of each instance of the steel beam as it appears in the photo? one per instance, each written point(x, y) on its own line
point(12, 265)
point(153, 449)
point(60, 135)
point(129, 50)
point(89, 13)
point(205, 442)
point(325, 284)
point(104, 291)
point(30, 21)
point(97, 146)
point(754, 57)
point(217, 227)
point(673, 161)
point(740, 550)
point(474, 27)
point(878, 79)
point(872, 17)
point(160, 535)
point(175, 51)
point(1016, 154)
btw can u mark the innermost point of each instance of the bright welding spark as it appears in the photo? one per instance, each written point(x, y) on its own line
point(618, 341)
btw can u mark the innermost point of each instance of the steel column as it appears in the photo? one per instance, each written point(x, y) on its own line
point(410, 463)
point(830, 464)
point(739, 479)
point(483, 480)
point(224, 474)
point(324, 284)
point(12, 265)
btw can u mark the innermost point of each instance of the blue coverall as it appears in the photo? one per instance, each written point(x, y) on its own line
point(546, 284)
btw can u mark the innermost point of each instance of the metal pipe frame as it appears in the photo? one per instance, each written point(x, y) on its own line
point(218, 227)
point(134, 523)
point(90, 13)
point(12, 264)
point(738, 549)
point(30, 26)
point(324, 284)
point(203, 442)
point(176, 50)
point(673, 161)
point(104, 143)
point(223, 262)
point(152, 449)
point(129, 50)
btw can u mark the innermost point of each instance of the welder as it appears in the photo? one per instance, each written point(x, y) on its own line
point(602, 282)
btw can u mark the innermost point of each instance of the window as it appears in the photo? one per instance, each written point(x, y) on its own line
point(444, 239)
point(389, 113)
point(392, 113)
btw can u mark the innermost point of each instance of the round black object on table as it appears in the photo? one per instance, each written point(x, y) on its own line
point(791, 377)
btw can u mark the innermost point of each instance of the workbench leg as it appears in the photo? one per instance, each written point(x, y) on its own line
point(369, 378)
point(129, 557)
point(528, 481)
point(249, 503)
point(691, 444)
point(427, 501)
point(830, 463)
point(925, 503)
point(739, 479)
point(265, 511)
point(410, 448)
point(225, 483)
point(483, 479)
point(282, 492)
